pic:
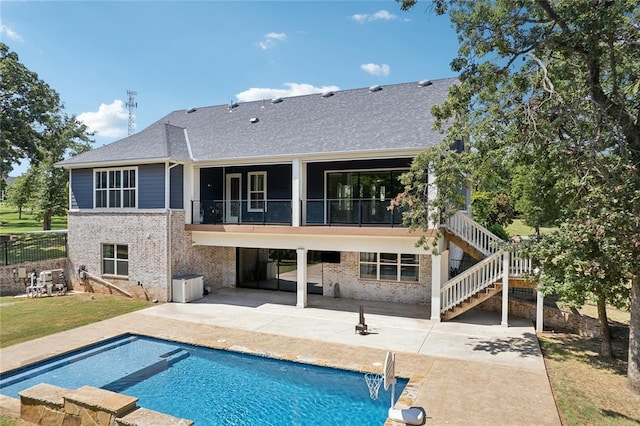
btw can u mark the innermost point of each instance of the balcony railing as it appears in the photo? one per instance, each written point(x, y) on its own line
point(265, 212)
point(345, 212)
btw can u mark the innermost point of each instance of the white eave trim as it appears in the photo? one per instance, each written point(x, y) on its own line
point(132, 162)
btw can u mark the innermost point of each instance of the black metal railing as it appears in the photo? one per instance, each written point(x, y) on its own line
point(266, 212)
point(351, 212)
point(346, 212)
point(32, 247)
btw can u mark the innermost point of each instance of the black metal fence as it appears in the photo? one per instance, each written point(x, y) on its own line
point(32, 247)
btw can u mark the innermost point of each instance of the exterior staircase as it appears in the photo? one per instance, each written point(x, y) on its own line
point(490, 276)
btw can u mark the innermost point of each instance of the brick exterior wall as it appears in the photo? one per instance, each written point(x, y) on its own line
point(10, 287)
point(145, 233)
point(554, 319)
point(346, 275)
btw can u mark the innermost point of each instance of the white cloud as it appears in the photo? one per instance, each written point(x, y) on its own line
point(109, 121)
point(375, 69)
point(293, 89)
point(4, 30)
point(271, 39)
point(381, 15)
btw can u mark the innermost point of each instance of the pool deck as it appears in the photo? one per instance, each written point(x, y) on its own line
point(466, 371)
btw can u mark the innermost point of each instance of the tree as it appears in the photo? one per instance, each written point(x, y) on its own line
point(26, 105)
point(20, 192)
point(34, 127)
point(561, 79)
point(64, 136)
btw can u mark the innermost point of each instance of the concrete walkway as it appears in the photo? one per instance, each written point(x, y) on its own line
point(466, 371)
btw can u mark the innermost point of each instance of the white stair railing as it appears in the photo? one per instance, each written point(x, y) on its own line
point(519, 266)
point(473, 233)
point(471, 281)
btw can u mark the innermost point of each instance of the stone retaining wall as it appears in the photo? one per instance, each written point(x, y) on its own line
point(554, 318)
point(11, 287)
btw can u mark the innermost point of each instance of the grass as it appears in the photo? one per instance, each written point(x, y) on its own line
point(588, 389)
point(25, 319)
point(518, 227)
point(10, 223)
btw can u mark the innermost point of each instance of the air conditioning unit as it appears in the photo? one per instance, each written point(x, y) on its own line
point(187, 288)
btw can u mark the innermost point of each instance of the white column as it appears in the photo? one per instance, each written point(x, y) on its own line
point(505, 289)
point(296, 186)
point(436, 280)
point(302, 278)
point(539, 310)
point(191, 182)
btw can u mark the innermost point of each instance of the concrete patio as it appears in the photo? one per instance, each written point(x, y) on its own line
point(467, 371)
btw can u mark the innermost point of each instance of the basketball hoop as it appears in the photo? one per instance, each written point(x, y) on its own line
point(373, 380)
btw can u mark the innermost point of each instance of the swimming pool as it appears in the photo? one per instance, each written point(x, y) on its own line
point(212, 387)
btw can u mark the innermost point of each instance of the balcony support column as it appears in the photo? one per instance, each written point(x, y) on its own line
point(296, 191)
point(301, 291)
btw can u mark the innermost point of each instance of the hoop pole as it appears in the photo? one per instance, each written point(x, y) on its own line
point(393, 394)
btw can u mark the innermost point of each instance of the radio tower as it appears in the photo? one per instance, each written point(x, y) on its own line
point(131, 104)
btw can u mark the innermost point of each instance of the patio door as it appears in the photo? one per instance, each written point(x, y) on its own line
point(233, 198)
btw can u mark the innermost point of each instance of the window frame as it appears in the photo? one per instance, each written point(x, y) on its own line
point(251, 191)
point(121, 187)
point(381, 260)
point(116, 261)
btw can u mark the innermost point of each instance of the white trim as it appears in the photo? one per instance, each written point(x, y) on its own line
point(121, 189)
point(398, 264)
point(115, 259)
point(186, 138)
point(228, 200)
point(251, 191)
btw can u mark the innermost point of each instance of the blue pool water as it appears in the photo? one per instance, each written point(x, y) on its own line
point(212, 387)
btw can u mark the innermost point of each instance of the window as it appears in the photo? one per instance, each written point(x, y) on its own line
point(257, 191)
point(115, 188)
point(390, 267)
point(115, 259)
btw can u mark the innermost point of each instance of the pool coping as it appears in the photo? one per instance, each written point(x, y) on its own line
point(453, 391)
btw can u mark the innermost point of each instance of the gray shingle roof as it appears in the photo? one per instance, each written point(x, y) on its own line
point(395, 118)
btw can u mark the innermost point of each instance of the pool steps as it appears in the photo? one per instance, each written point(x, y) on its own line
point(11, 378)
point(167, 359)
point(129, 380)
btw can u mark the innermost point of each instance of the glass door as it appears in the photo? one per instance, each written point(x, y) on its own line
point(233, 198)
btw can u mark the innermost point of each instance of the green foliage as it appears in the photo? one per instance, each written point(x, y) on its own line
point(553, 86)
point(27, 104)
point(432, 189)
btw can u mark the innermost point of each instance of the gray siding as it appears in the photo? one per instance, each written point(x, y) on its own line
point(176, 188)
point(151, 186)
point(82, 189)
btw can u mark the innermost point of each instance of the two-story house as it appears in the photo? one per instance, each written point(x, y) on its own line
point(211, 190)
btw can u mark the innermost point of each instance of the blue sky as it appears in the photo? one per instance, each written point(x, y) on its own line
point(178, 55)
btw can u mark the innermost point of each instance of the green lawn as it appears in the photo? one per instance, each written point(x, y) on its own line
point(518, 227)
point(9, 222)
point(25, 319)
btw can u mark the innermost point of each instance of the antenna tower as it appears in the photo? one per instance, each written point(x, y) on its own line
point(131, 104)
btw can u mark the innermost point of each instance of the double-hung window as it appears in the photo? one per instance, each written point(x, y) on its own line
point(115, 259)
point(257, 191)
point(115, 188)
point(390, 267)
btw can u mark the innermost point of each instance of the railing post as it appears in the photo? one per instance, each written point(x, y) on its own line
point(505, 289)
point(539, 309)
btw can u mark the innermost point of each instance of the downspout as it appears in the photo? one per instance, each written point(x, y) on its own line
point(167, 204)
